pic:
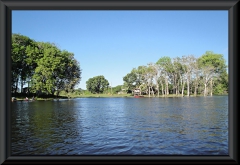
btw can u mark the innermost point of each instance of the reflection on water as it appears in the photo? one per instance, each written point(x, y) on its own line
point(121, 126)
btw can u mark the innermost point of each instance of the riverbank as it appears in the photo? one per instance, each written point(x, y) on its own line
point(49, 98)
point(129, 95)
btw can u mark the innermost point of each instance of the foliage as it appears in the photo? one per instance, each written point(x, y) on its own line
point(97, 84)
point(23, 49)
point(43, 66)
point(117, 89)
point(130, 80)
point(212, 66)
point(184, 75)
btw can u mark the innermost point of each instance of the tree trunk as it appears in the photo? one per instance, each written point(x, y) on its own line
point(21, 86)
point(195, 88)
point(165, 91)
point(177, 91)
point(176, 88)
point(205, 89)
point(152, 91)
point(188, 87)
point(148, 91)
point(175, 84)
point(158, 89)
point(182, 88)
point(211, 87)
point(166, 88)
point(162, 89)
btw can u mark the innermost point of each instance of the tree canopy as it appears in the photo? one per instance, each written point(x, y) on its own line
point(184, 75)
point(43, 66)
point(97, 84)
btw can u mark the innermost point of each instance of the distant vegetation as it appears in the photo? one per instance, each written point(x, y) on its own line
point(97, 84)
point(48, 72)
point(188, 75)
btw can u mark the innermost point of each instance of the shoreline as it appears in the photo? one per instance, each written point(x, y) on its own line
point(104, 96)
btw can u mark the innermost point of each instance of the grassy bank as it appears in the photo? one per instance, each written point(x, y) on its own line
point(46, 98)
point(97, 95)
point(122, 95)
point(127, 95)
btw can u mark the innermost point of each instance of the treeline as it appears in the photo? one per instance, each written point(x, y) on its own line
point(42, 66)
point(188, 75)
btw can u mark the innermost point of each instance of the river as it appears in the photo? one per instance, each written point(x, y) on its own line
point(121, 126)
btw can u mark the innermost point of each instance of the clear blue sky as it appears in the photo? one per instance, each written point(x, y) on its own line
point(112, 43)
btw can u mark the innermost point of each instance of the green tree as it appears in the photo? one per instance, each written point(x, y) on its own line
point(117, 89)
point(221, 83)
point(23, 63)
point(56, 70)
point(48, 65)
point(166, 66)
point(130, 80)
point(149, 72)
point(43, 65)
point(189, 63)
point(71, 73)
point(211, 65)
point(97, 84)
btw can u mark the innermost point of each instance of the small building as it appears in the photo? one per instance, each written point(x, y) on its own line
point(136, 91)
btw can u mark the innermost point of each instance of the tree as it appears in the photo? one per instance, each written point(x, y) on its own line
point(117, 89)
point(156, 72)
point(150, 73)
point(130, 80)
point(97, 84)
point(180, 73)
point(166, 65)
point(23, 63)
point(71, 72)
point(43, 65)
point(56, 70)
point(47, 66)
point(221, 83)
point(212, 65)
point(185, 75)
point(189, 63)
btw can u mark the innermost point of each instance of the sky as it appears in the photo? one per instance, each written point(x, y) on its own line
point(112, 43)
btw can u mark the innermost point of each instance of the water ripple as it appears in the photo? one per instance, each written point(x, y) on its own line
point(121, 126)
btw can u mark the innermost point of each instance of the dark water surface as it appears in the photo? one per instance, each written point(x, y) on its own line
point(121, 126)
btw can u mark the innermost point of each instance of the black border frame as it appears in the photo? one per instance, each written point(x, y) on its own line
point(5, 41)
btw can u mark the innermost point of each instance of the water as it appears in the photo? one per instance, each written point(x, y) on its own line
point(121, 126)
